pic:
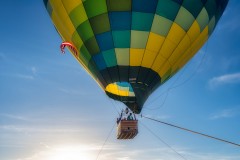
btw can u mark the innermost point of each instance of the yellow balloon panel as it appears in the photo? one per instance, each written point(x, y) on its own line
point(131, 47)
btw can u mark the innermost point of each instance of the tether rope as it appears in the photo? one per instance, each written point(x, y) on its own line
point(164, 142)
point(195, 132)
point(105, 141)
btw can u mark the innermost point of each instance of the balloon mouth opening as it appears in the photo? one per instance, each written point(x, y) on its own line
point(122, 89)
point(125, 93)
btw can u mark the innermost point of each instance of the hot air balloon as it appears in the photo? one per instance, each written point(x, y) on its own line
point(131, 47)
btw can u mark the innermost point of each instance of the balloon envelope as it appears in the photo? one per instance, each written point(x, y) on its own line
point(131, 47)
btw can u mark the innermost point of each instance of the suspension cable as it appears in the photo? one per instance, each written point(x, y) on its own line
point(159, 106)
point(115, 107)
point(188, 130)
point(163, 142)
point(105, 141)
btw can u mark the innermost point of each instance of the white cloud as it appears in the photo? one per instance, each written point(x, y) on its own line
point(34, 70)
point(24, 76)
point(118, 152)
point(30, 74)
point(163, 153)
point(226, 113)
point(73, 91)
point(204, 156)
point(73, 152)
point(126, 155)
point(230, 25)
point(228, 21)
point(39, 129)
point(11, 116)
point(2, 56)
point(225, 79)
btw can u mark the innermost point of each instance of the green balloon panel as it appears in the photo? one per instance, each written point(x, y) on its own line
point(131, 47)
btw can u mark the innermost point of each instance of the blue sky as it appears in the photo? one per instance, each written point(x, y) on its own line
point(51, 109)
